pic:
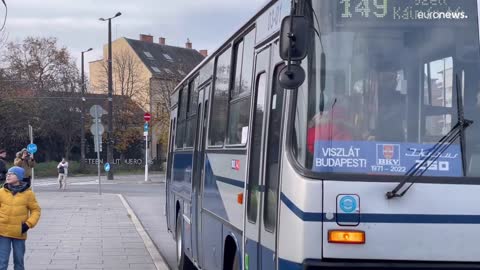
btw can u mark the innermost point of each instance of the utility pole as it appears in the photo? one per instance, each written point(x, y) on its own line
point(110, 96)
point(98, 141)
point(82, 128)
point(147, 117)
point(110, 101)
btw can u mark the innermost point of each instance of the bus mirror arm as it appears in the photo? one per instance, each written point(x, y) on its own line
point(293, 49)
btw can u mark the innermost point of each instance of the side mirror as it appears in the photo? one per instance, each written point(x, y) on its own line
point(294, 38)
point(291, 77)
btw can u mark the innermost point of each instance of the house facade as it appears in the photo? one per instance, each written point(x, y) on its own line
point(146, 72)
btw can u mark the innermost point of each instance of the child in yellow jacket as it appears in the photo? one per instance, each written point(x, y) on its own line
point(19, 212)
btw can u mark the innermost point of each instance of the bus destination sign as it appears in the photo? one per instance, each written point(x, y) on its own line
point(404, 12)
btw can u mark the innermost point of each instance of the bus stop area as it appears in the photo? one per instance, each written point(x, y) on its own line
point(88, 231)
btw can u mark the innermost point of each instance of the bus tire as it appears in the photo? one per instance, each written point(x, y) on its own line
point(183, 262)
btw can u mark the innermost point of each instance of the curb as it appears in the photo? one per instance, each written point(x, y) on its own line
point(152, 249)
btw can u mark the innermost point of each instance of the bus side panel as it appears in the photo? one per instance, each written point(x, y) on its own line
point(212, 242)
point(171, 210)
point(224, 180)
point(251, 248)
point(187, 229)
point(300, 220)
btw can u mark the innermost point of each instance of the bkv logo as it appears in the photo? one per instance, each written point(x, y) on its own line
point(235, 164)
point(388, 154)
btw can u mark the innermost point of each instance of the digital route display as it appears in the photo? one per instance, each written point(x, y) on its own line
point(404, 12)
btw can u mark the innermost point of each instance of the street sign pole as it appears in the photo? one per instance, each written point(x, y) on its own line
point(97, 138)
point(146, 158)
point(30, 134)
point(147, 117)
point(97, 129)
point(145, 131)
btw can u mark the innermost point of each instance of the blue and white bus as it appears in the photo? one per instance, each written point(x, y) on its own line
point(331, 134)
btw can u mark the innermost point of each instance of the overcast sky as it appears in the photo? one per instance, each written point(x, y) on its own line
point(75, 23)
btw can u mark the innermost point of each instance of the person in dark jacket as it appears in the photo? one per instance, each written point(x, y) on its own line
point(62, 174)
point(26, 161)
point(3, 165)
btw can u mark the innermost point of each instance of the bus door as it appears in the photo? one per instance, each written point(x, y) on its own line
point(271, 175)
point(199, 159)
point(259, 236)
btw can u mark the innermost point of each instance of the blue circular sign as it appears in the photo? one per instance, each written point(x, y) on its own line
point(348, 204)
point(32, 148)
point(107, 167)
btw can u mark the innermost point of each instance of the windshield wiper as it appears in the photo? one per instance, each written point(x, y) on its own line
point(458, 131)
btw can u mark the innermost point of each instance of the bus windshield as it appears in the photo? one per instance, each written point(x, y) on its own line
point(391, 88)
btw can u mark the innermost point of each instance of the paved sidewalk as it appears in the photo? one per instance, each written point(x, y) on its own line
point(85, 231)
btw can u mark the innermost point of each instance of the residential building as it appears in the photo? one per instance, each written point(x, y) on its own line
point(147, 72)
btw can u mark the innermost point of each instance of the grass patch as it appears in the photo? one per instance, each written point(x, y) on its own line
point(49, 169)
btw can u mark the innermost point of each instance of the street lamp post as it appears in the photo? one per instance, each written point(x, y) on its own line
point(110, 96)
point(82, 140)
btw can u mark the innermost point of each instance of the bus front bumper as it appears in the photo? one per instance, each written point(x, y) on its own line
point(381, 265)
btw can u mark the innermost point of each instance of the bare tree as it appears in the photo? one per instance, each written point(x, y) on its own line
point(131, 88)
point(38, 73)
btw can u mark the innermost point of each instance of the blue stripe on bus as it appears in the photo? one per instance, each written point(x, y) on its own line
point(252, 249)
point(305, 216)
point(288, 265)
point(417, 218)
point(383, 218)
point(230, 181)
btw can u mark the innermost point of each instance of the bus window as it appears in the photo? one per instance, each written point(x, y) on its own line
point(255, 161)
point(472, 112)
point(238, 124)
point(438, 98)
point(240, 104)
point(237, 85)
point(218, 122)
point(193, 89)
point(182, 112)
point(243, 65)
point(273, 154)
point(192, 114)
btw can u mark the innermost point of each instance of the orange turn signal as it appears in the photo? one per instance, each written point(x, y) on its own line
point(240, 198)
point(346, 237)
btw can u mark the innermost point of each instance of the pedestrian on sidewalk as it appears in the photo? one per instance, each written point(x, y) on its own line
point(62, 173)
point(26, 161)
point(19, 212)
point(3, 165)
